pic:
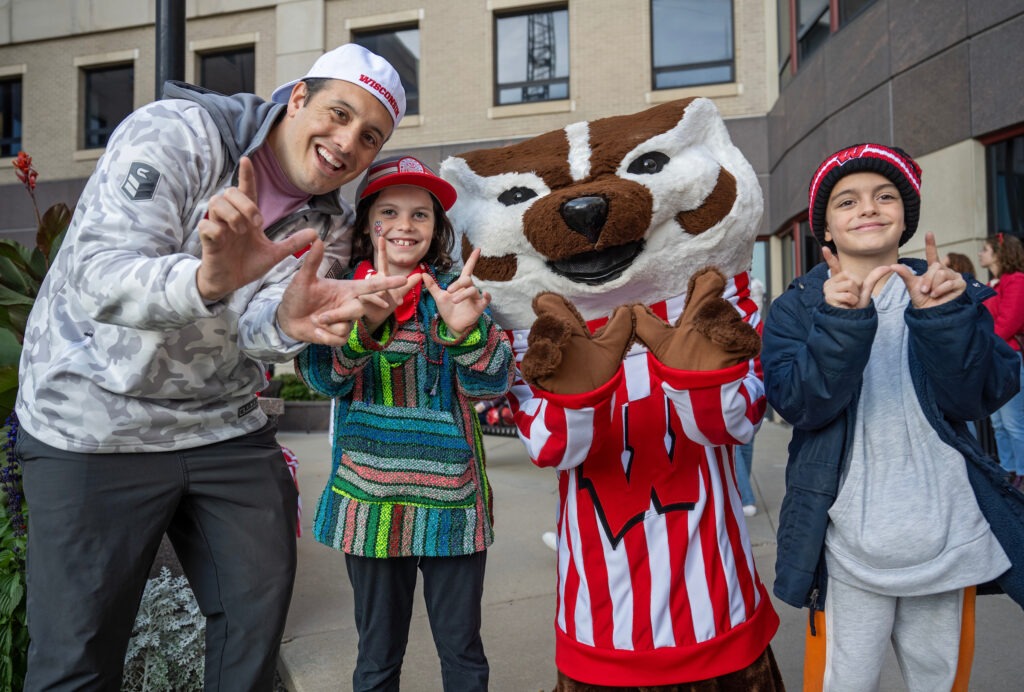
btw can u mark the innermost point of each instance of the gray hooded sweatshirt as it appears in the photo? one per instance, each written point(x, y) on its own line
point(121, 353)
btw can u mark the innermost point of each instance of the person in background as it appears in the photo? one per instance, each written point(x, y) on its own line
point(408, 489)
point(892, 513)
point(963, 264)
point(959, 263)
point(744, 454)
point(1003, 256)
point(144, 352)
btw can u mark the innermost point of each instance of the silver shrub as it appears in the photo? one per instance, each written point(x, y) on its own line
point(166, 651)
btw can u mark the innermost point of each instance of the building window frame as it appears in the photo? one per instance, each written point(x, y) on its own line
point(799, 248)
point(200, 48)
point(12, 110)
point(87, 65)
point(659, 70)
point(539, 84)
point(801, 48)
point(247, 83)
point(1004, 186)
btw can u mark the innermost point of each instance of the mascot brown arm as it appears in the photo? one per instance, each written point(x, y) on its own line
point(563, 357)
point(709, 335)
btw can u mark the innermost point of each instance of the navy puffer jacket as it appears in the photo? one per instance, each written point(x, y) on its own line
point(814, 356)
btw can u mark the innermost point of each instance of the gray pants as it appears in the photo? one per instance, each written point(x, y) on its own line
point(924, 631)
point(383, 590)
point(95, 524)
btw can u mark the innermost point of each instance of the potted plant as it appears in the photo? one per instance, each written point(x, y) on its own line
point(304, 409)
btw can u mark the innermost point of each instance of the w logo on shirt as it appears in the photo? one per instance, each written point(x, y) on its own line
point(140, 184)
point(652, 473)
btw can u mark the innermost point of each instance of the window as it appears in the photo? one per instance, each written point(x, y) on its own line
point(692, 42)
point(1005, 162)
point(810, 249)
point(10, 117)
point(229, 71)
point(800, 250)
point(816, 21)
point(785, 42)
point(814, 26)
point(401, 48)
point(848, 9)
point(109, 95)
point(532, 60)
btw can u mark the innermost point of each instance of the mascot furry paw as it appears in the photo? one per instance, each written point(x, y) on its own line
point(616, 253)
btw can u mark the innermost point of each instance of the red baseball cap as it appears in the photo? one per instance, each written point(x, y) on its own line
point(406, 170)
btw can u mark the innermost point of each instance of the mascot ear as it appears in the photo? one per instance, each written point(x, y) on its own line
point(454, 170)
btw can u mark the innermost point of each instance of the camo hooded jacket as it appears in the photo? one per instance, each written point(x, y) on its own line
point(121, 353)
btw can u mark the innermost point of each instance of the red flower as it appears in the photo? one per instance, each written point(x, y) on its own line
point(26, 174)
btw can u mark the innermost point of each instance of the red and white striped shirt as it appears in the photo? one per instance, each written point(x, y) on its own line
point(656, 579)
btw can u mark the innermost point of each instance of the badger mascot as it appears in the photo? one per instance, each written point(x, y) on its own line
point(616, 252)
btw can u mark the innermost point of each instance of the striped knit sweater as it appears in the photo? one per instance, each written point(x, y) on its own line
point(408, 473)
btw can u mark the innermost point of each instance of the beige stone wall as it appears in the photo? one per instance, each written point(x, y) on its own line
point(609, 69)
point(51, 80)
point(953, 204)
point(609, 65)
point(51, 93)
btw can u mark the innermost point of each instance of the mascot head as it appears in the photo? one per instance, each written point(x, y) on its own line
point(608, 212)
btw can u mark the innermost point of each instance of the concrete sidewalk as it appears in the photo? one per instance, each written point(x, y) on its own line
point(319, 649)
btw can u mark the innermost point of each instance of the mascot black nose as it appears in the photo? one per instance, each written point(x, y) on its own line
point(586, 216)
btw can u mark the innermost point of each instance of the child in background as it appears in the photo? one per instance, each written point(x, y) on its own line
point(744, 454)
point(959, 263)
point(892, 512)
point(409, 488)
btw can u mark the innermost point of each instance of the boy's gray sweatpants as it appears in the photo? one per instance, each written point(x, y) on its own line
point(924, 630)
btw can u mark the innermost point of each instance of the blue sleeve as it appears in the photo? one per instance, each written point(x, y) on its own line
point(971, 370)
point(814, 357)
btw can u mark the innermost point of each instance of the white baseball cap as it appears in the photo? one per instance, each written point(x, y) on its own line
point(353, 63)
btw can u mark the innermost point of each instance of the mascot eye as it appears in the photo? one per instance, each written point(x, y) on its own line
point(516, 195)
point(648, 164)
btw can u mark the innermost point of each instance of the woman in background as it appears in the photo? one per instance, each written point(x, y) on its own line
point(1003, 256)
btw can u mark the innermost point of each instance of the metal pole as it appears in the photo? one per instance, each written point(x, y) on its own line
point(170, 42)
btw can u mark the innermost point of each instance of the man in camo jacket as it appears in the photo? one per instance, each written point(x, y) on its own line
point(177, 282)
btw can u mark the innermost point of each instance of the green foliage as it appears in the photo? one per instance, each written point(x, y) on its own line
point(21, 273)
point(293, 389)
point(13, 629)
point(167, 648)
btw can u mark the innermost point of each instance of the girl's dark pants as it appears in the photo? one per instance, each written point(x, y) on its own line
point(383, 591)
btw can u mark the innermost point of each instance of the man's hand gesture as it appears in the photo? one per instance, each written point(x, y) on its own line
point(938, 285)
point(236, 251)
point(321, 311)
point(461, 304)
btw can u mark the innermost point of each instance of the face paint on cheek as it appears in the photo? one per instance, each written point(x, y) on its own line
point(378, 228)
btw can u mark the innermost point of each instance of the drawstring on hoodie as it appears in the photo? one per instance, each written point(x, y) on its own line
point(813, 609)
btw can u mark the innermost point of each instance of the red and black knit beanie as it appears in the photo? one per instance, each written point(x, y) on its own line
point(891, 162)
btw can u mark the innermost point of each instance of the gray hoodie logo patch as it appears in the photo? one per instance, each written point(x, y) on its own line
point(141, 182)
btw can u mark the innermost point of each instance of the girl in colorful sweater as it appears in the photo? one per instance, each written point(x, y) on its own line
point(408, 488)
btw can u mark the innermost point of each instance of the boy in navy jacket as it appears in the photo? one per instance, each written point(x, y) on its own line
point(892, 514)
